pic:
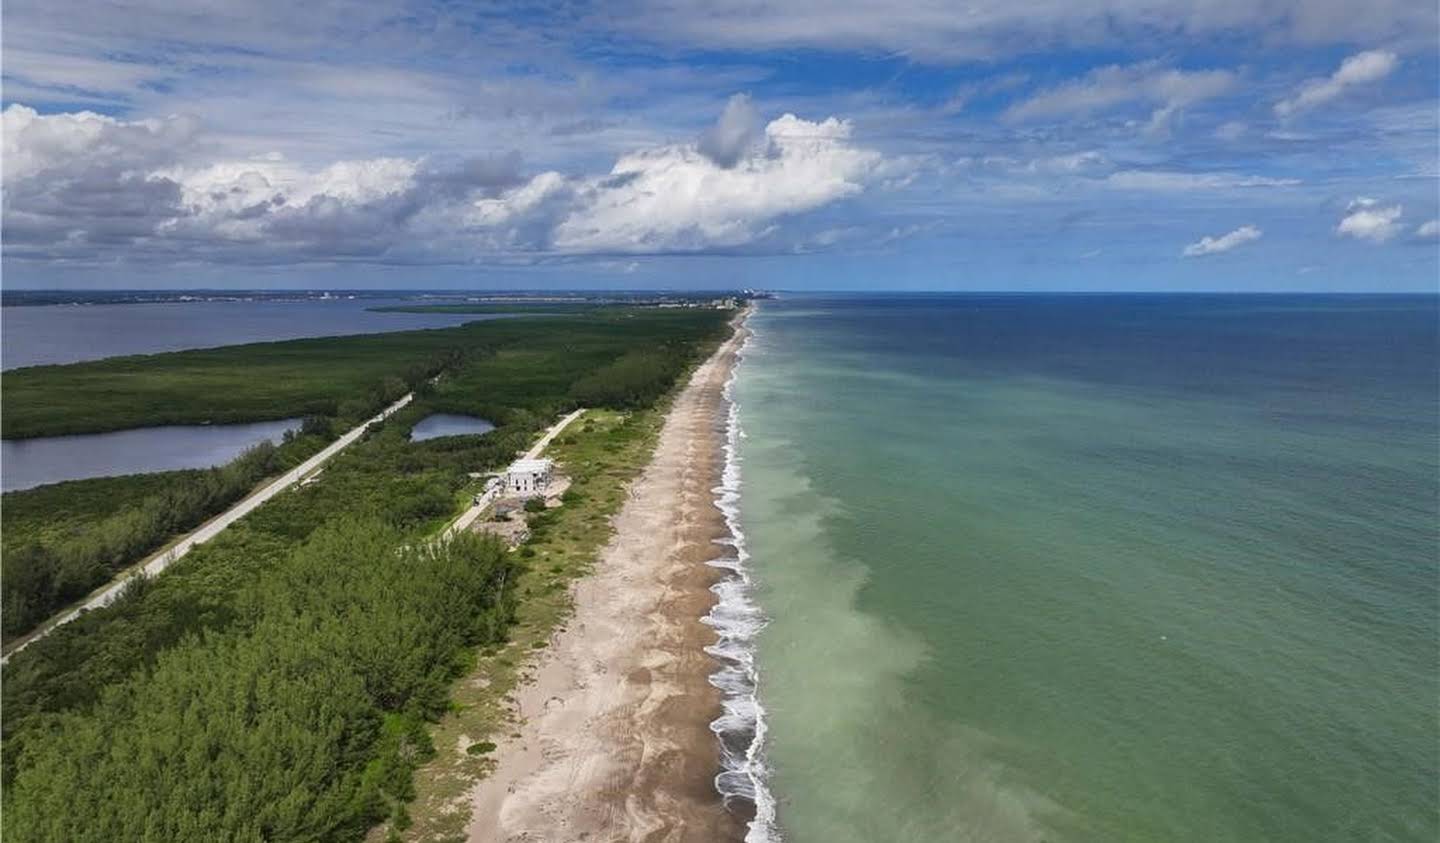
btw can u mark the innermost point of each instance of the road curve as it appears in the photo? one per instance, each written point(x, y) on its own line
point(209, 530)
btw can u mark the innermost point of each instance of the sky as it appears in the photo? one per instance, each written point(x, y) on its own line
point(1075, 145)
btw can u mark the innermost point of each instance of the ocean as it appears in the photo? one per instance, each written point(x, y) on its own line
point(1089, 568)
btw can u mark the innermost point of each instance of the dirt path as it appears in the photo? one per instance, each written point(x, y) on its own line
point(615, 741)
point(470, 515)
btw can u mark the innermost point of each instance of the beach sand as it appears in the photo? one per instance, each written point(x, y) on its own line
point(614, 738)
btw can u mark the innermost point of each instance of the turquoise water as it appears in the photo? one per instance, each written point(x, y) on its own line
point(1096, 568)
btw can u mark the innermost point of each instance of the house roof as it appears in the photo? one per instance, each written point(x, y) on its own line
point(531, 466)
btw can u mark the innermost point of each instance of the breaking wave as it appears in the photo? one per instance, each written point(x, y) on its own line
point(737, 621)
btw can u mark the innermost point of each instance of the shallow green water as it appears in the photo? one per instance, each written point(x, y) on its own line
point(1096, 569)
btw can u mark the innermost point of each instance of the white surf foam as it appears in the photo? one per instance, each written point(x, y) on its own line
point(737, 621)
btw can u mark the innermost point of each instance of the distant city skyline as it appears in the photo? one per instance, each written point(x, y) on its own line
point(1122, 145)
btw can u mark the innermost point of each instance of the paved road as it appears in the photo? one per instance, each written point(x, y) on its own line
point(210, 529)
point(534, 453)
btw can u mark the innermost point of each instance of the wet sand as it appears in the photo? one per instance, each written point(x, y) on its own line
point(615, 741)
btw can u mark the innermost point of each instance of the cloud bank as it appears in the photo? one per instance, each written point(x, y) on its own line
point(85, 186)
point(941, 31)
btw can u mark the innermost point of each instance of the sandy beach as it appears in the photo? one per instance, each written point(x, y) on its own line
point(614, 738)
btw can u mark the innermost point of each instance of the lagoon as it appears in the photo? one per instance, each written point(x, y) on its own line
point(449, 424)
point(35, 462)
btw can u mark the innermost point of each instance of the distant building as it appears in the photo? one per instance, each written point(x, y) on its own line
point(528, 478)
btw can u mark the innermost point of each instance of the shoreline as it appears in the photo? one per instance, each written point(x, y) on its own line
point(737, 620)
point(615, 740)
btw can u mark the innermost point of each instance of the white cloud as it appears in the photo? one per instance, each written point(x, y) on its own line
point(1367, 219)
point(1429, 230)
point(675, 198)
point(1160, 180)
point(1224, 243)
point(1231, 130)
point(82, 185)
point(1076, 162)
point(34, 144)
point(1168, 91)
point(943, 30)
point(1359, 69)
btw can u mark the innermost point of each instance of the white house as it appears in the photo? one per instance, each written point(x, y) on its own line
point(527, 478)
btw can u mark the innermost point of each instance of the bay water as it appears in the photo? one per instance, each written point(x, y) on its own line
point(1095, 568)
point(70, 333)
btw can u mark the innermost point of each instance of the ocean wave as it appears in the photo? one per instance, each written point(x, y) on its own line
point(737, 621)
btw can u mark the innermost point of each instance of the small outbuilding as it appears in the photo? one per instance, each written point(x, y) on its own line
point(528, 478)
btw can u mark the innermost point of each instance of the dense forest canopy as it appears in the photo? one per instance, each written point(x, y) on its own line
point(276, 683)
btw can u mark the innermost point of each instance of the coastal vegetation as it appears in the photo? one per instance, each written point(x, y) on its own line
point(300, 724)
point(61, 541)
point(298, 656)
point(599, 454)
point(345, 378)
point(537, 307)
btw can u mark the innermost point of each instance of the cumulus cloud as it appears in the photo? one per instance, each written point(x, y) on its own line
point(88, 180)
point(83, 186)
point(736, 134)
point(1429, 230)
point(1215, 245)
point(1367, 219)
point(1359, 69)
point(677, 198)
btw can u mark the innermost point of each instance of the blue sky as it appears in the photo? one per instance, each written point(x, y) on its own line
point(909, 144)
